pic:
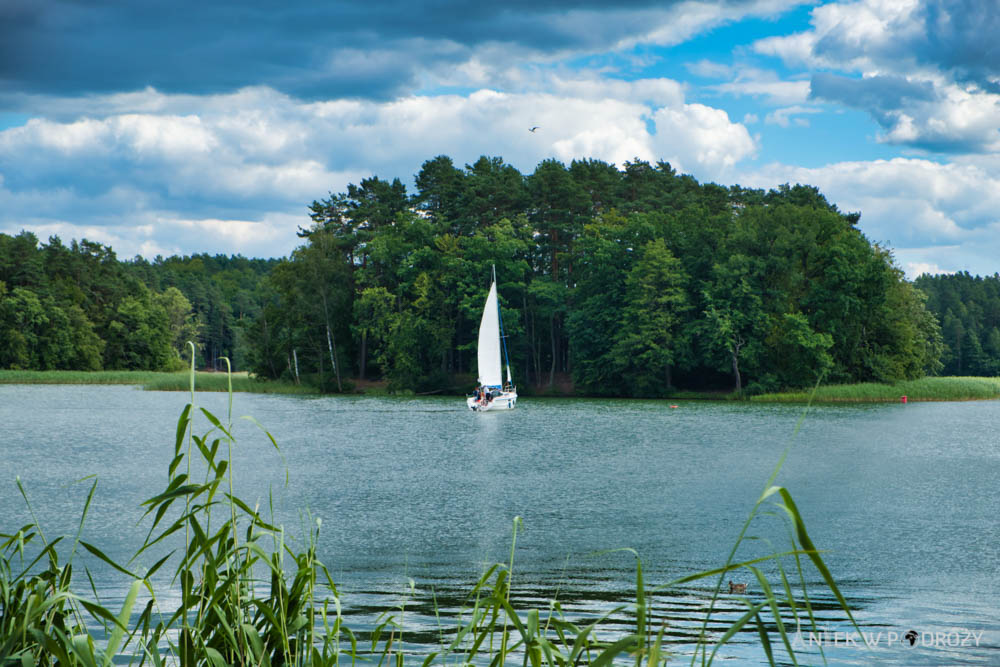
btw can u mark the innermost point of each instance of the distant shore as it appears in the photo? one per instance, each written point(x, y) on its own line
point(156, 380)
point(924, 389)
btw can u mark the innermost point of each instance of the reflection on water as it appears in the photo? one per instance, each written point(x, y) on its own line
point(902, 497)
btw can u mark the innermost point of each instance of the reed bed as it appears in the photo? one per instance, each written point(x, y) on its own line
point(84, 377)
point(238, 382)
point(250, 595)
point(157, 380)
point(924, 389)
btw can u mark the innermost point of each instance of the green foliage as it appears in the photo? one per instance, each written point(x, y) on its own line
point(225, 295)
point(734, 320)
point(801, 355)
point(373, 317)
point(968, 308)
point(623, 282)
point(595, 321)
point(309, 317)
point(78, 307)
point(650, 329)
point(138, 336)
point(629, 281)
point(39, 334)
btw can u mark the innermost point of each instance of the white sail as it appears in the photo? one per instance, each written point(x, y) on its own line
point(489, 342)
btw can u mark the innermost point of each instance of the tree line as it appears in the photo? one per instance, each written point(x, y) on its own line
point(628, 282)
point(968, 308)
point(78, 307)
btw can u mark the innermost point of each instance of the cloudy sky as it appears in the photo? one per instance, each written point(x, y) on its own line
point(190, 126)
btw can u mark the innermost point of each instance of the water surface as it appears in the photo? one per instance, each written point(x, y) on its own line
point(904, 498)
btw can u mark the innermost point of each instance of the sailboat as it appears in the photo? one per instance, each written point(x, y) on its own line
point(492, 393)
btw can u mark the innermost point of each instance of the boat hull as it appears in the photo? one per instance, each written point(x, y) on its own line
point(506, 400)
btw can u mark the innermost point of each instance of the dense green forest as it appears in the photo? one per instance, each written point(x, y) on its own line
point(968, 309)
point(618, 282)
point(78, 307)
point(629, 282)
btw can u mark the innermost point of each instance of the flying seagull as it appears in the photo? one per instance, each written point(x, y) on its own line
point(532, 129)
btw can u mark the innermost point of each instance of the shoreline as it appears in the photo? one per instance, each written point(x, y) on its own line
point(928, 389)
point(211, 381)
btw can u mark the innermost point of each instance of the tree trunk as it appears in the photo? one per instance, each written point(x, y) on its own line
point(322, 369)
point(552, 340)
point(958, 350)
point(527, 337)
point(295, 356)
point(554, 238)
point(735, 351)
point(536, 353)
point(267, 348)
point(364, 353)
point(333, 352)
point(736, 372)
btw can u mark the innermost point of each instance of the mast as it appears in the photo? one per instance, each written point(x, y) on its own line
point(503, 337)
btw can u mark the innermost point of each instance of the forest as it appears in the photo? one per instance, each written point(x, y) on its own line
point(968, 308)
point(78, 307)
point(631, 281)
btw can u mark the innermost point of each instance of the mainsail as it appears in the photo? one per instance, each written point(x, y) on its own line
point(489, 342)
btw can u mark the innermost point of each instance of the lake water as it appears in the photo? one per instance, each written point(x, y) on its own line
point(904, 498)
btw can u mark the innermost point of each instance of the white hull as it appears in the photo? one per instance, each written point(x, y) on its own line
point(506, 400)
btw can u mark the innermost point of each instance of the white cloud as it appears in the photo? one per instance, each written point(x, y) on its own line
point(946, 215)
point(851, 36)
point(168, 137)
point(788, 115)
point(961, 117)
point(897, 43)
point(701, 139)
point(710, 70)
point(258, 156)
point(153, 233)
point(756, 82)
point(914, 269)
point(655, 92)
point(796, 50)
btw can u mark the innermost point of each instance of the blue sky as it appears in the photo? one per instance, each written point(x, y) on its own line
point(183, 127)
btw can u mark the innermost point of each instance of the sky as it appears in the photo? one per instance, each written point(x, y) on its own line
point(181, 127)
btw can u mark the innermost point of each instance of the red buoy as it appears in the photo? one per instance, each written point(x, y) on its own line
point(903, 398)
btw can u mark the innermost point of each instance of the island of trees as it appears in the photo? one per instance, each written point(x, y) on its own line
point(629, 281)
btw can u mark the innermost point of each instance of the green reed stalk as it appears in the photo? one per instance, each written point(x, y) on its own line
point(237, 590)
point(186, 631)
point(510, 579)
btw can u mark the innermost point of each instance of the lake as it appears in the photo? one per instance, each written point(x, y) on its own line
point(903, 498)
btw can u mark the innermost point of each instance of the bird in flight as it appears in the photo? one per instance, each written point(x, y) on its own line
point(532, 129)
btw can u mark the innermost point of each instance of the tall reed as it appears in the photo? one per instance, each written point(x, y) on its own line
point(249, 595)
point(923, 389)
